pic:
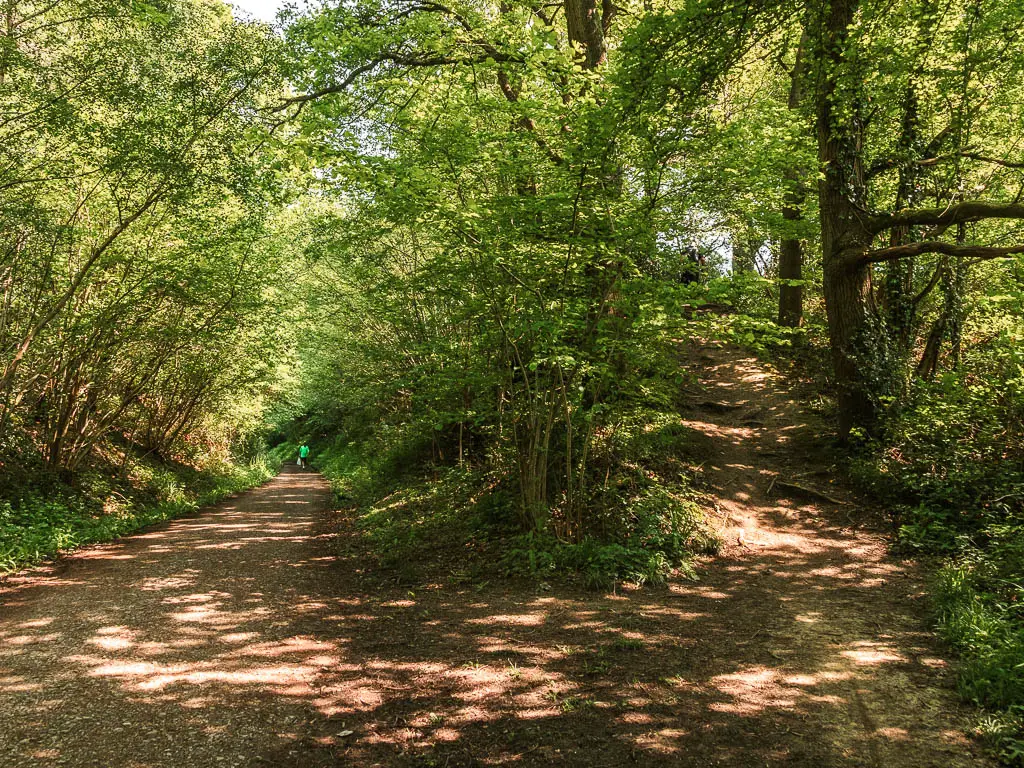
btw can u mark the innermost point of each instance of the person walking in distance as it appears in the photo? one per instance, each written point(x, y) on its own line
point(304, 456)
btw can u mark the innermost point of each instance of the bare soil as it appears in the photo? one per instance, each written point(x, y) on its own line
point(256, 634)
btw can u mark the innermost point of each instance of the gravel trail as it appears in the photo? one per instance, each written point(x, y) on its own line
point(187, 645)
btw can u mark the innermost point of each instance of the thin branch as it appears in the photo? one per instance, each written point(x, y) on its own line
point(394, 58)
point(338, 88)
point(888, 163)
point(968, 153)
point(993, 160)
point(38, 179)
point(439, 8)
point(934, 281)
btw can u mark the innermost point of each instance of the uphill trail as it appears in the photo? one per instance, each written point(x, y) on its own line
point(257, 633)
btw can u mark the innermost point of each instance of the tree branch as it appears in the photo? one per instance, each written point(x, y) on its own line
point(525, 122)
point(338, 88)
point(394, 58)
point(975, 210)
point(985, 159)
point(934, 246)
point(888, 163)
point(936, 276)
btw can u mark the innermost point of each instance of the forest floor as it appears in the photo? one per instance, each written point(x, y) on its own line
point(257, 634)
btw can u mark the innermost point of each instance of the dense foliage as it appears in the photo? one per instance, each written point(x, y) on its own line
point(50, 517)
point(133, 206)
point(137, 203)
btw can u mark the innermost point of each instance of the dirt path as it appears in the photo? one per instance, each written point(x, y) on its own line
point(254, 635)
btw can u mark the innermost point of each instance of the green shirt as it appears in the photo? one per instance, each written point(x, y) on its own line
point(303, 451)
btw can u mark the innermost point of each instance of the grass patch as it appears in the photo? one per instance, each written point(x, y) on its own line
point(980, 600)
point(411, 514)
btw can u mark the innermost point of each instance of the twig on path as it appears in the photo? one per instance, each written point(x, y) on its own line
point(771, 485)
point(808, 491)
point(751, 638)
point(720, 407)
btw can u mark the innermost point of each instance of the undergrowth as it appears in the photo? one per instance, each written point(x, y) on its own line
point(643, 518)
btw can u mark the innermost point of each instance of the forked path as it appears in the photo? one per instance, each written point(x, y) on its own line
point(256, 634)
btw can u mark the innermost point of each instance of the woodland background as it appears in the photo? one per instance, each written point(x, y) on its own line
point(461, 248)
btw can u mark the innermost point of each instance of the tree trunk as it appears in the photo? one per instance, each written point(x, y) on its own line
point(586, 30)
point(849, 307)
point(844, 234)
point(898, 295)
point(744, 252)
point(930, 357)
point(950, 319)
point(791, 252)
point(791, 258)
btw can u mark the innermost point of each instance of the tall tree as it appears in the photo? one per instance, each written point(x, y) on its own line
point(791, 251)
point(854, 153)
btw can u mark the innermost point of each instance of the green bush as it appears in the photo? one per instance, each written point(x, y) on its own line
point(951, 460)
point(643, 516)
point(663, 532)
point(980, 615)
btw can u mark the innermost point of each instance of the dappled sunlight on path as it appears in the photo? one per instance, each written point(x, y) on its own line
point(256, 634)
point(195, 627)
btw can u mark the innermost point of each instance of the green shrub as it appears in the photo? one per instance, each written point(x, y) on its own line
point(980, 615)
point(643, 516)
point(661, 536)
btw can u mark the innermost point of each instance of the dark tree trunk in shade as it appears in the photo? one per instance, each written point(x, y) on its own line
point(791, 260)
point(791, 251)
point(586, 23)
point(845, 234)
